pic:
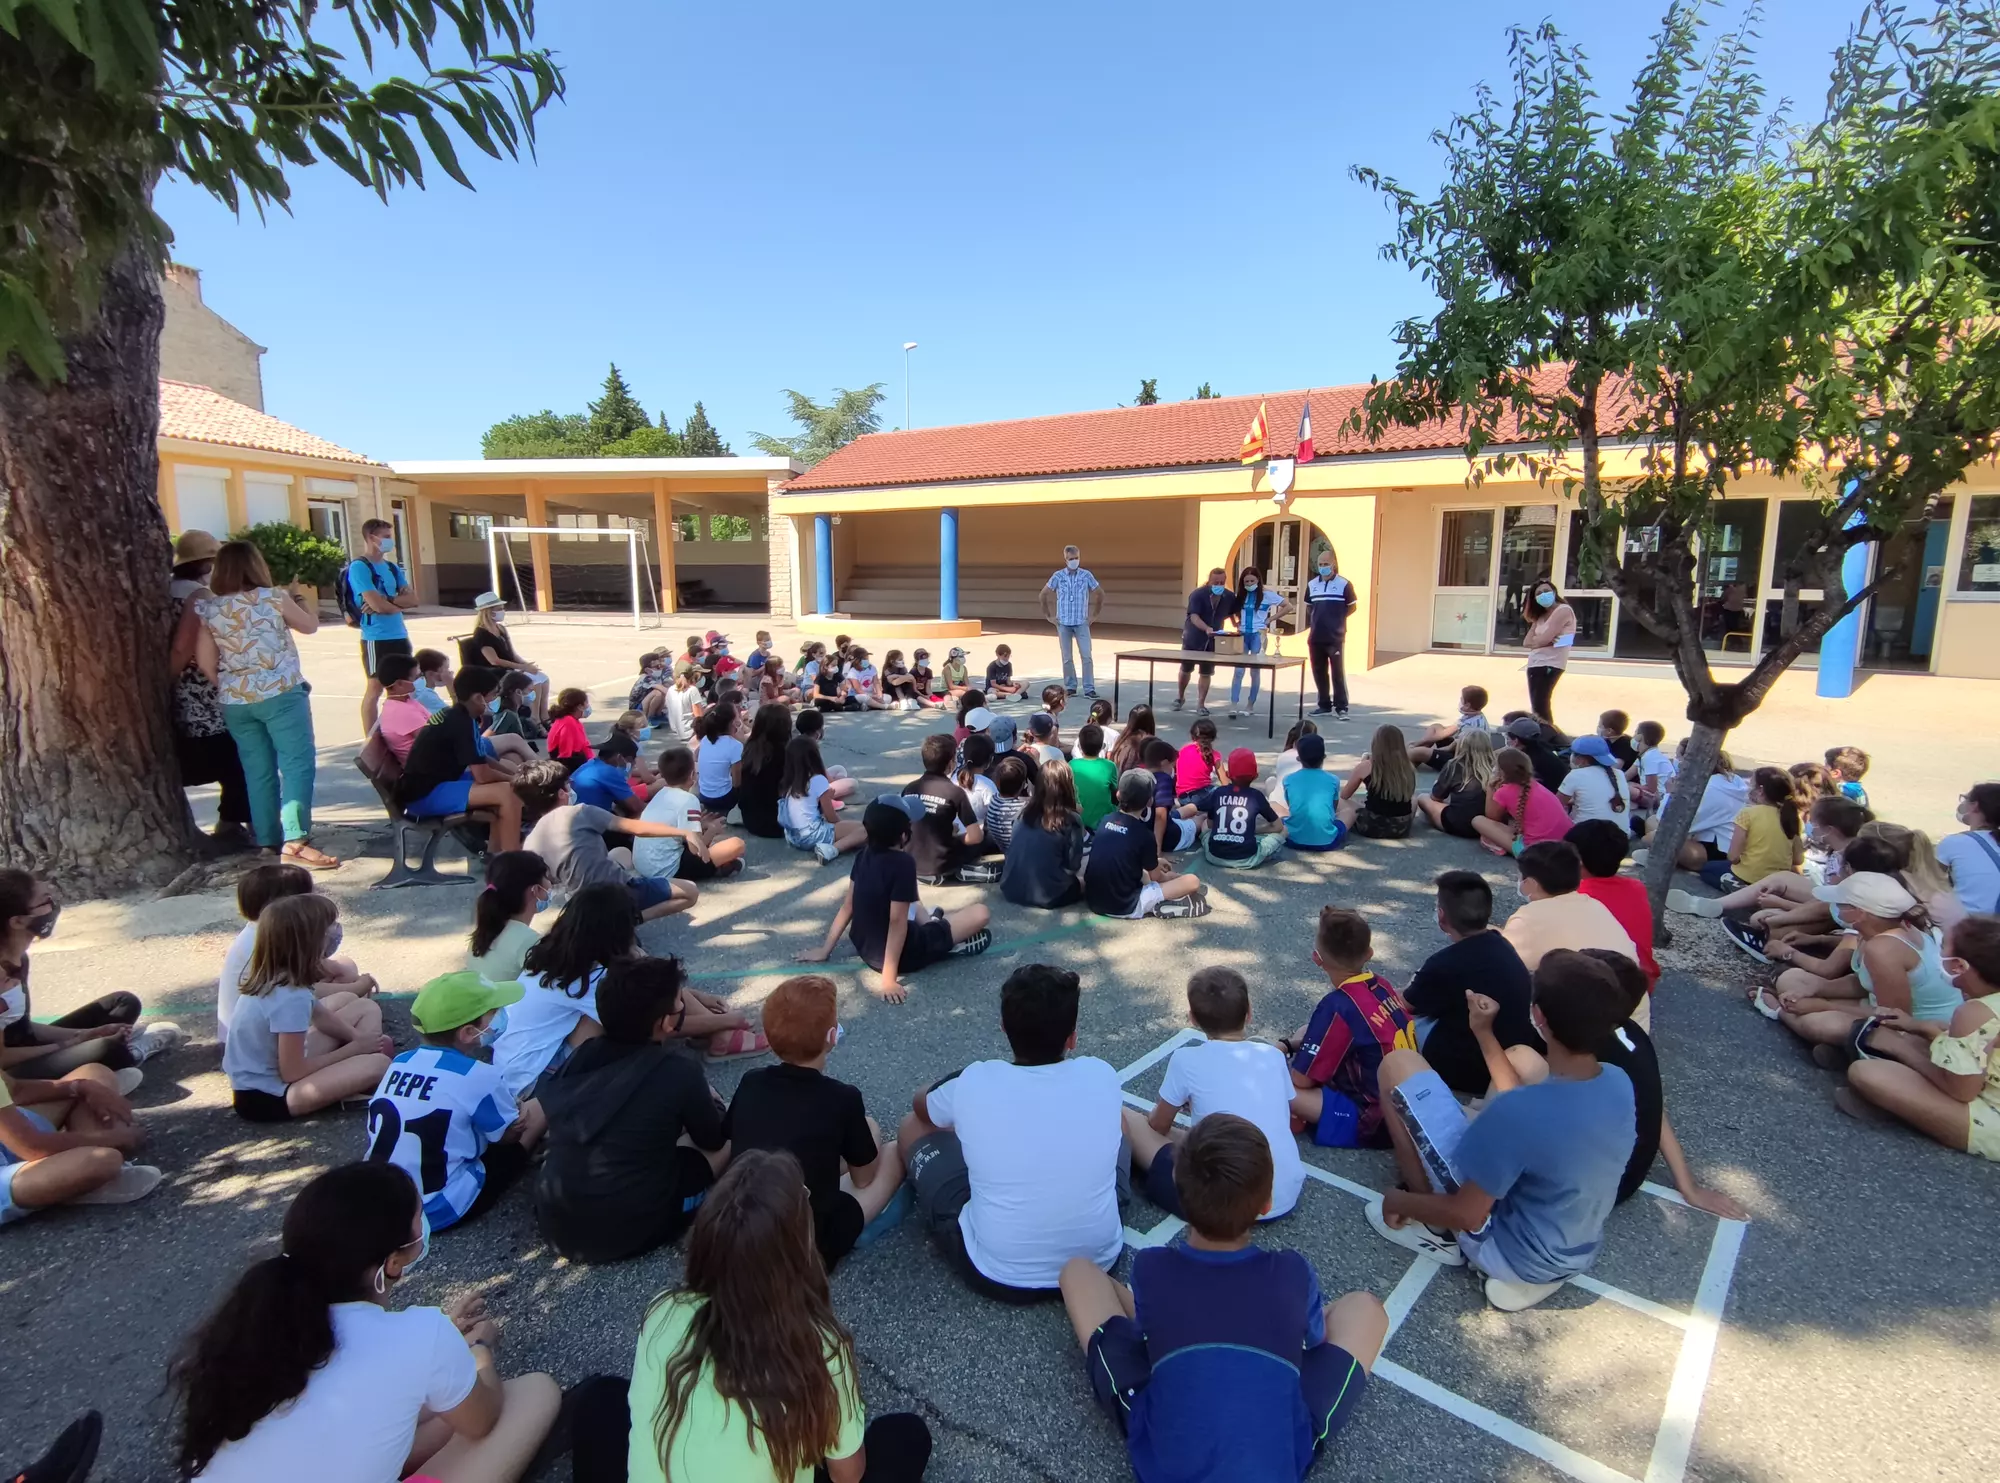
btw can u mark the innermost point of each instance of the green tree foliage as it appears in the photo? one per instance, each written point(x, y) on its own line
point(616, 413)
point(543, 434)
point(98, 97)
point(1149, 393)
point(644, 442)
point(824, 430)
point(1204, 393)
point(699, 438)
point(295, 555)
point(1679, 297)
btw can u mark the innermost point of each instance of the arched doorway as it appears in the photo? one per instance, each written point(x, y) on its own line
point(1285, 549)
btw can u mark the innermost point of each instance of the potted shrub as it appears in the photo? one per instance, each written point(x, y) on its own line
point(298, 559)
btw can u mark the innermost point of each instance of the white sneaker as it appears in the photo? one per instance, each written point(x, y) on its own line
point(1693, 905)
point(827, 851)
point(1640, 856)
point(150, 1041)
point(1440, 1246)
point(133, 1182)
point(130, 1080)
point(1513, 1297)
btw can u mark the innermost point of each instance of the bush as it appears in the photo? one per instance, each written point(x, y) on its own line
point(295, 555)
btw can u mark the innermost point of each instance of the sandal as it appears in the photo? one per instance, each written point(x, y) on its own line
point(298, 852)
point(1762, 1005)
point(731, 1045)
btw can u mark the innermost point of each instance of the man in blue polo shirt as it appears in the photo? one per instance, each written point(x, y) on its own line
point(1208, 608)
point(1330, 597)
point(383, 594)
point(1070, 600)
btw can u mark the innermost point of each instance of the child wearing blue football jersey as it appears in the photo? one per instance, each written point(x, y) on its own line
point(444, 1116)
point(1221, 1361)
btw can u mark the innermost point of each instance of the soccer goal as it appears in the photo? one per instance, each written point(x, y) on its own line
point(500, 549)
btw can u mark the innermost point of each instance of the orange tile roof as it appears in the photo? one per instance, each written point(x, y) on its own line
point(1166, 435)
point(203, 416)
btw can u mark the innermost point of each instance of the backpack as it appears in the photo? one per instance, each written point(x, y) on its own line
point(343, 590)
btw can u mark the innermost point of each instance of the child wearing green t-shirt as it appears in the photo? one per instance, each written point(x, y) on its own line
point(1096, 777)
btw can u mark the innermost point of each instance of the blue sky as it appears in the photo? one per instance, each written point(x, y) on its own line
point(1052, 200)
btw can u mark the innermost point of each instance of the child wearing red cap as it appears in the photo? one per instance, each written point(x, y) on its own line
point(1235, 811)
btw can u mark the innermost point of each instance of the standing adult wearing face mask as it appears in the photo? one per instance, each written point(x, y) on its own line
point(1257, 607)
point(305, 1366)
point(1071, 599)
point(103, 1030)
point(382, 594)
point(1208, 608)
point(1330, 597)
point(1550, 638)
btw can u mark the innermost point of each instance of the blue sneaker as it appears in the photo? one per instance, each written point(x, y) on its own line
point(891, 1217)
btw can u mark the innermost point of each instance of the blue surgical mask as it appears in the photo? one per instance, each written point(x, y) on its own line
point(1249, 586)
point(586, 713)
point(1326, 568)
point(388, 548)
point(1545, 599)
point(334, 934)
point(489, 1036)
point(1217, 588)
point(1839, 916)
point(423, 1244)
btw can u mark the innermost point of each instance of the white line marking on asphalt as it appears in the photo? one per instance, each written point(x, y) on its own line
point(1676, 1435)
point(1632, 1300)
point(1403, 1297)
point(1548, 1449)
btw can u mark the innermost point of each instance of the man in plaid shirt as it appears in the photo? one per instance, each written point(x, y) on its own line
point(1070, 600)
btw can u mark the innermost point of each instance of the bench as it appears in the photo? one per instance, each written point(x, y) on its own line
point(379, 765)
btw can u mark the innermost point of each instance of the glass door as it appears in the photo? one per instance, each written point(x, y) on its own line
point(1583, 586)
point(1462, 605)
point(1796, 519)
point(1527, 556)
point(1285, 551)
point(1732, 565)
point(1902, 615)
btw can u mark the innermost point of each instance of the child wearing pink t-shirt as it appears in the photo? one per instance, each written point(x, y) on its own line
point(1199, 765)
point(1519, 810)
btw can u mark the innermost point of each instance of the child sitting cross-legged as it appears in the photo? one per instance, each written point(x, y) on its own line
point(1312, 799)
point(290, 1053)
point(808, 801)
point(1096, 779)
point(1522, 1190)
point(1176, 825)
point(698, 850)
point(1336, 1056)
point(444, 1116)
point(1197, 766)
point(1235, 811)
point(884, 916)
point(1013, 1165)
point(1221, 1361)
point(258, 887)
point(796, 1108)
point(1435, 745)
point(1123, 876)
point(1387, 780)
point(635, 1134)
point(1228, 1073)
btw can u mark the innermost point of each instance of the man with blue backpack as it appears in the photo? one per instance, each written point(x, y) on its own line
point(374, 594)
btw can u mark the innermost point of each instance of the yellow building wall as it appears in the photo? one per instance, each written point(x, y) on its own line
point(1347, 520)
point(1968, 640)
point(1405, 571)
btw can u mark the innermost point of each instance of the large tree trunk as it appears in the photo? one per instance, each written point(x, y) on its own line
point(1697, 764)
point(90, 792)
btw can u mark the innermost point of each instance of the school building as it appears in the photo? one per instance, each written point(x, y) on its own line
point(923, 533)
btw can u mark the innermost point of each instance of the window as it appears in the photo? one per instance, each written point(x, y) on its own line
point(1979, 567)
point(469, 527)
point(687, 527)
point(731, 528)
point(1465, 552)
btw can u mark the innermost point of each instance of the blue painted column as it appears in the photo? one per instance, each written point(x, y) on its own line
point(823, 563)
point(947, 564)
point(1842, 644)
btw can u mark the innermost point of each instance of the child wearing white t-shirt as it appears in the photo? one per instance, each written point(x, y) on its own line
point(1653, 774)
point(1595, 788)
point(1225, 1073)
point(693, 852)
point(808, 804)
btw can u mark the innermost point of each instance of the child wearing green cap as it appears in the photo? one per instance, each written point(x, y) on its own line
point(444, 1116)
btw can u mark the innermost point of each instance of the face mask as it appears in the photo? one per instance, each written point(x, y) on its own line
point(491, 1034)
point(334, 934)
point(1326, 568)
point(1839, 916)
point(1249, 586)
point(1545, 599)
point(586, 713)
point(388, 548)
point(13, 1006)
point(44, 925)
point(1072, 563)
point(423, 1244)
point(1217, 588)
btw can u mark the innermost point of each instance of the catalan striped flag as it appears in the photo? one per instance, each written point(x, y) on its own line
point(1253, 441)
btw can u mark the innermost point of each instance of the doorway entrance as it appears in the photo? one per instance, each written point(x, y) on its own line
point(1285, 551)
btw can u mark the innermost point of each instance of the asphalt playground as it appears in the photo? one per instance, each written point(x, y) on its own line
point(1850, 1330)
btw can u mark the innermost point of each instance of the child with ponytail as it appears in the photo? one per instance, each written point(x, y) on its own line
point(1519, 810)
point(517, 886)
point(1769, 835)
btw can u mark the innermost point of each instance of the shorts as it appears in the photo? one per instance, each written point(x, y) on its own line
point(694, 868)
point(9, 1211)
point(1331, 1380)
point(1266, 846)
point(649, 891)
point(454, 797)
point(1160, 1187)
point(374, 651)
point(1181, 835)
point(1151, 894)
point(1206, 669)
point(809, 839)
point(1982, 1134)
point(928, 941)
point(261, 1107)
point(1371, 825)
point(721, 804)
point(940, 1188)
point(504, 1164)
point(1345, 1123)
point(1483, 1252)
point(837, 1225)
point(1339, 839)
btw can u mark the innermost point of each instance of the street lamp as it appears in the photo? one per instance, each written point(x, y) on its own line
point(908, 346)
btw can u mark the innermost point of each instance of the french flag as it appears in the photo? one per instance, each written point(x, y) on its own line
point(1305, 453)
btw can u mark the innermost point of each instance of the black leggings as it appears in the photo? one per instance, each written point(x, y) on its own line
point(898, 1444)
point(113, 1009)
point(1541, 691)
point(213, 759)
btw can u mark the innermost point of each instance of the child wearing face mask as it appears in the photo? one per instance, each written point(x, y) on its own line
point(448, 772)
point(259, 887)
point(503, 914)
point(443, 1115)
point(567, 742)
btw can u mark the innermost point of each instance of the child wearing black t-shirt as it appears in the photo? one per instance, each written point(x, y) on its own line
point(1221, 1360)
point(851, 1175)
point(891, 931)
point(949, 835)
point(1000, 676)
point(1123, 876)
